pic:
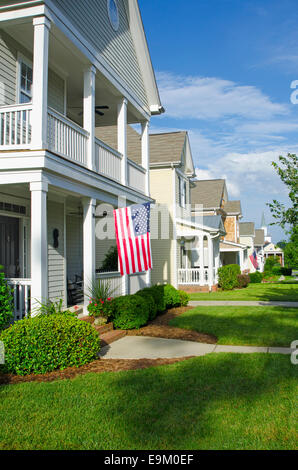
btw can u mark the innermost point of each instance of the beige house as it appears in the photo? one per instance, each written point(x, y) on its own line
point(211, 198)
point(247, 237)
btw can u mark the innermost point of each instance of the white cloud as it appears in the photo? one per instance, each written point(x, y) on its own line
point(214, 98)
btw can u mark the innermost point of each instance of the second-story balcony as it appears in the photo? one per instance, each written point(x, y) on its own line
point(53, 98)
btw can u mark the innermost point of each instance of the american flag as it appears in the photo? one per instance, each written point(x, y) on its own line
point(253, 259)
point(132, 226)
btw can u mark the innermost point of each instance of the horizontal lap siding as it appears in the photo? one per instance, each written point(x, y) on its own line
point(74, 244)
point(90, 17)
point(56, 256)
point(137, 282)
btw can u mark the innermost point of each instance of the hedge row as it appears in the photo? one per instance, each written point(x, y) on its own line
point(133, 311)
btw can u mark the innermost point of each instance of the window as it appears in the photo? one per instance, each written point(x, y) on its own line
point(182, 192)
point(26, 76)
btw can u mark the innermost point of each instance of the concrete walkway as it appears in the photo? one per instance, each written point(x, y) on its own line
point(240, 303)
point(145, 347)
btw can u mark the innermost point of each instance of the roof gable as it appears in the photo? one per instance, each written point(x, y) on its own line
point(208, 193)
point(233, 208)
point(247, 229)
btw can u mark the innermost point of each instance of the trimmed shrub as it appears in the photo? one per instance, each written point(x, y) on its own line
point(45, 343)
point(256, 278)
point(286, 271)
point(171, 296)
point(228, 276)
point(157, 293)
point(270, 262)
point(129, 312)
point(150, 302)
point(6, 302)
point(243, 280)
point(276, 270)
point(184, 298)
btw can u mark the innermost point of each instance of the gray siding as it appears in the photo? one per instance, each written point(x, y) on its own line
point(8, 75)
point(56, 261)
point(91, 19)
point(74, 244)
point(137, 282)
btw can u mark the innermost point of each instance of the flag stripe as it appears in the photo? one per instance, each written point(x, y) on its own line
point(144, 253)
point(118, 244)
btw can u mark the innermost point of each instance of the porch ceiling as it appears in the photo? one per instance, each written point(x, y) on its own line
point(68, 62)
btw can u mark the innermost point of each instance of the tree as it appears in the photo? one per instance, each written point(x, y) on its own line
point(287, 169)
point(291, 250)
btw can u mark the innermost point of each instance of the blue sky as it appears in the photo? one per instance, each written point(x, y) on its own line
point(224, 70)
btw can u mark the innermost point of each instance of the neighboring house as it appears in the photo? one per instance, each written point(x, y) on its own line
point(211, 198)
point(65, 69)
point(273, 250)
point(184, 248)
point(247, 237)
point(259, 243)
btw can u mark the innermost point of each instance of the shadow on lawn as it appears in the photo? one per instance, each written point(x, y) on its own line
point(273, 293)
point(178, 407)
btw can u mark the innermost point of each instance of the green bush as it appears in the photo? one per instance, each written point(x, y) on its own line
point(171, 296)
point(228, 276)
point(243, 280)
point(184, 298)
point(276, 270)
point(150, 302)
point(157, 293)
point(129, 312)
point(45, 343)
point(270, 262)
point(286, 271)
point(256, 278)
point(6, 302)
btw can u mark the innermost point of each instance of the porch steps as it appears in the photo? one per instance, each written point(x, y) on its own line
point(111, 336)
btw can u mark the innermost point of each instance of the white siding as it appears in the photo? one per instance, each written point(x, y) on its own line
point(56, 261)
point(91, 19)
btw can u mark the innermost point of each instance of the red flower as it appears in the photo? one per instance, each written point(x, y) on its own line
point(76, 307)
point(95, 305)
point(109, 298)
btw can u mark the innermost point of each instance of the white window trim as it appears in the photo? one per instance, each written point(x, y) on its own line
point(182, 183)
point(21, 58)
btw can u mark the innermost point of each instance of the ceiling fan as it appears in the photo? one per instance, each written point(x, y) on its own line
point(97, 109)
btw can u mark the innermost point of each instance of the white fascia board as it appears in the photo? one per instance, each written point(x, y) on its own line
point(228, 242)
point(93, 56)
point(17, 15)
point(196, 226)
point(143, 55)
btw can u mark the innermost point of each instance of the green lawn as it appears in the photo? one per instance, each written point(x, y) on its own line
point(254, 326)
point(220, 401)
point(287, 291)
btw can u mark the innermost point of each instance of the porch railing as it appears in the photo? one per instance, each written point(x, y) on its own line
point(107, 160)
point(115, 281)
point(15, 127)
point(21, 289)
point(136, 176)
point(189, 276)
point(66, 138)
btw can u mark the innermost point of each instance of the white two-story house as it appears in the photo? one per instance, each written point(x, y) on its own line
point(66, 68)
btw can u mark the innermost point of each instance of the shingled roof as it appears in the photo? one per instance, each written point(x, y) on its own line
point(247, 229)
point(209, 193)
point(259, 239)
point(233, 207)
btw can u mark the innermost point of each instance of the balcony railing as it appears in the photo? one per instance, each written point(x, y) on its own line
point(107, 160)
point(15, 127)
point(21, 289)
point(66, 138)
point(189, 276)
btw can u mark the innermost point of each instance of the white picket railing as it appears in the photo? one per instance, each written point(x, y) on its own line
point(66, 138)
point(15, 127)
point(107, 160)
point(114, 279)
point(21, 289)
point(136, 175)
point(189, 276)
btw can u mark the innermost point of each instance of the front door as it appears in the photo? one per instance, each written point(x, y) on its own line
point(10, 246)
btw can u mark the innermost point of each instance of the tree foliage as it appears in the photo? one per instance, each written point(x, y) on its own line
point(287, 169)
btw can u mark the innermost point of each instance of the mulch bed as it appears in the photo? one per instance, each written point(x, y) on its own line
point(98, 366)
point(159, 328)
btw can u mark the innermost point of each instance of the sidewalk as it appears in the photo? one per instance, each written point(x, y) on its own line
point(145, 347)
point(240, 303)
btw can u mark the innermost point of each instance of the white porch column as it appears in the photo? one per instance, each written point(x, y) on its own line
point(88, 246)
point(217, 258)
point(201, 259)
point(89, 113)
point(146, 155)
point(210, 261)
point(122, 138)
point(41, 27)
point(39, 244)
point(241, 259)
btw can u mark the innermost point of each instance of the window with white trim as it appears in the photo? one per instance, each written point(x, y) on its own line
point(25, 81)
point(182, 192)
